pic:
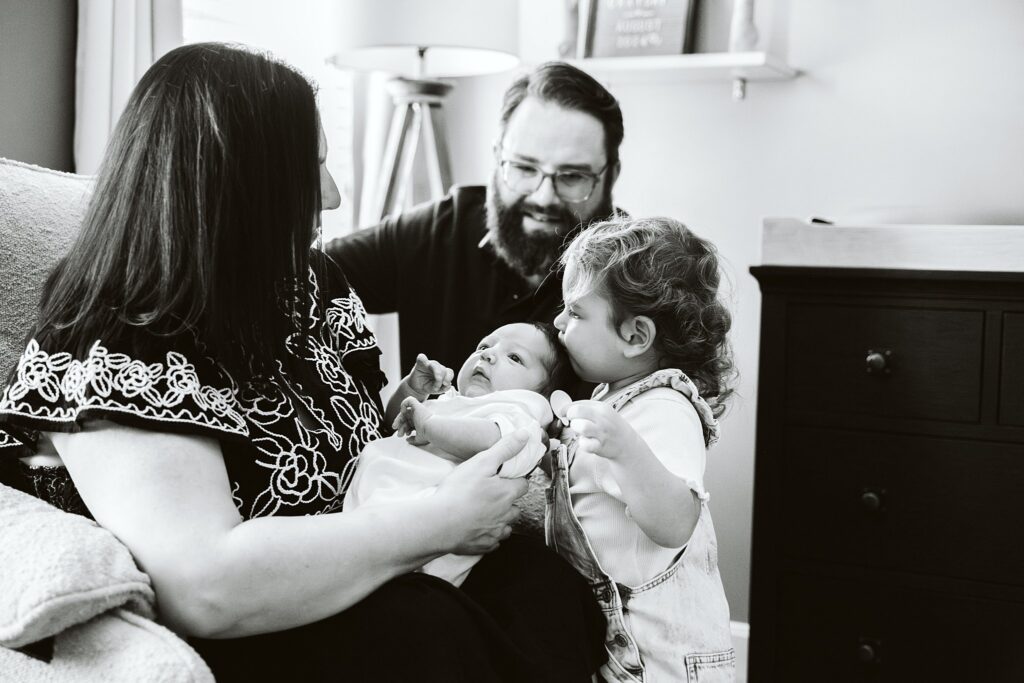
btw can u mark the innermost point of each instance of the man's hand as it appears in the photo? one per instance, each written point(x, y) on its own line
point(601, 430)
point(412, 417)
point(428, 377)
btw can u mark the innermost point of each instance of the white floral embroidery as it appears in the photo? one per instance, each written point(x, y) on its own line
point(137, 379)
point(346, 318)
point(7, 441)
point(333, 506)
point(182, 379)
point(75, 381)
point(265, 404)
point(300, 471)
point(306, 465)
point(235, 497)
point(367, 428)
point(38, 371)
point(328, 365)
point(220, 401)
point(106, 381)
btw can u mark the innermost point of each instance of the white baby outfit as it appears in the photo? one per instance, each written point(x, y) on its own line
point(391, 469)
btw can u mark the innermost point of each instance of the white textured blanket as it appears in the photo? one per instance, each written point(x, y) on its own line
point(64, 576)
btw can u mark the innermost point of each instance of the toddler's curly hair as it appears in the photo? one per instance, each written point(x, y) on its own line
point(659, 268)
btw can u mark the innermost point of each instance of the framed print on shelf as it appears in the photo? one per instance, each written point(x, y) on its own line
point(629, 28)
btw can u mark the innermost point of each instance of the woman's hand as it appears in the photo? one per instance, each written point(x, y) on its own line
point(601, 430)
point(428, 377)
point(482, 504)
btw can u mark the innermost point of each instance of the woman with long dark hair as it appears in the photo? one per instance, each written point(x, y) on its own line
point(207, 380)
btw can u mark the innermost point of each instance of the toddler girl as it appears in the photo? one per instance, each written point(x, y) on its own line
point(627, 505)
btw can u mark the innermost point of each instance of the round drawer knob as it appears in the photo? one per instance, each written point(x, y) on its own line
point(867, 653)
point(877, 362)
point(871, 501)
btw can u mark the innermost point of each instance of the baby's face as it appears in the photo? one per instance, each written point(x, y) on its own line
point(516, 356)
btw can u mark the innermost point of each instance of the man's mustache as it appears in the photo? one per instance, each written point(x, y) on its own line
point(565, 218)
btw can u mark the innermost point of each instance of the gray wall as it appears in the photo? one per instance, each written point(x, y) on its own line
point(37, 81)
point(918, 103)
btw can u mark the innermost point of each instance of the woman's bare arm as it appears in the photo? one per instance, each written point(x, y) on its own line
point(167, 497)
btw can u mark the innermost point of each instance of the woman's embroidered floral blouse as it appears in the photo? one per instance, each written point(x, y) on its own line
point(289, 445)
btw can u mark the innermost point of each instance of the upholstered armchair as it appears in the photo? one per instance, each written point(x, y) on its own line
point(73, 604)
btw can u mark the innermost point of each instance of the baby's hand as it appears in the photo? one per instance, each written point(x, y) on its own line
point(601, 430)
point(412, 417)
point(429, 377)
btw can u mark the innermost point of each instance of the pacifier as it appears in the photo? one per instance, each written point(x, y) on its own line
point(560, 402)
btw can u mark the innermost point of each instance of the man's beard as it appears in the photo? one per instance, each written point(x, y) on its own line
point(532, 253)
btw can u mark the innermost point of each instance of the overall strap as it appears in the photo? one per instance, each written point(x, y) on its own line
point(673, 378)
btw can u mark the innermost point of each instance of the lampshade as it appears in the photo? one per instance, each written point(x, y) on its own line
point(462, 37)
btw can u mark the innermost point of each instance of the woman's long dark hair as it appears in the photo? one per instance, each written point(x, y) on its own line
point(203, 212)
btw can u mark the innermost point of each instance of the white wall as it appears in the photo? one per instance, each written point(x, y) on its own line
point(910, 103)
point(37, 81)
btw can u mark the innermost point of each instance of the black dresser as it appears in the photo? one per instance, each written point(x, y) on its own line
point(888, 537)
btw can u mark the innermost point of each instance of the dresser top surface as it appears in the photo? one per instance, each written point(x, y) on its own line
point(972, 248)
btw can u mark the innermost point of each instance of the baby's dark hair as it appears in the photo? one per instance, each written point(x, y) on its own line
point(658, 268)
point(560, 372)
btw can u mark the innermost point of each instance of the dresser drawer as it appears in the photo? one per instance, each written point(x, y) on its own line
point(1011, 386)
point(884, 361)
point(846, 630)
point(944, 507)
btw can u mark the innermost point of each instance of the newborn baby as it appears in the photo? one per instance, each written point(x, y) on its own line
point(502, 387)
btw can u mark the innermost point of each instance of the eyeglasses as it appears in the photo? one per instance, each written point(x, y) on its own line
point(571, 186)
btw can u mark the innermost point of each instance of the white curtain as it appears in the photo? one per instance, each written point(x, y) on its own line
point(117, 41)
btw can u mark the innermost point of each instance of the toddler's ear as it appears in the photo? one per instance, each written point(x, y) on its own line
point(638, 333)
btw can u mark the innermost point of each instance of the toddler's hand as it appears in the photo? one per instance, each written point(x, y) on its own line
point(429, 377)
point(601, 430)
point(412, 417)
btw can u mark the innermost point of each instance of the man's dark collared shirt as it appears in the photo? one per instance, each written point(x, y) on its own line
point(449, 291)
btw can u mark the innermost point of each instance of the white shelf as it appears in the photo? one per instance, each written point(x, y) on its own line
point(721, 66)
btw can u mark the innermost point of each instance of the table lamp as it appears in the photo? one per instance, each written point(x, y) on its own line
point(419, 42)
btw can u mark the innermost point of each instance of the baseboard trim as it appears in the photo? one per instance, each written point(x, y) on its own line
point(740, 639)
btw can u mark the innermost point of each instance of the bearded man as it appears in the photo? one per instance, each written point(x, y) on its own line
point(479, 258)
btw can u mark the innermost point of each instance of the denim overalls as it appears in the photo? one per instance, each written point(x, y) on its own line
point(674, 627)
